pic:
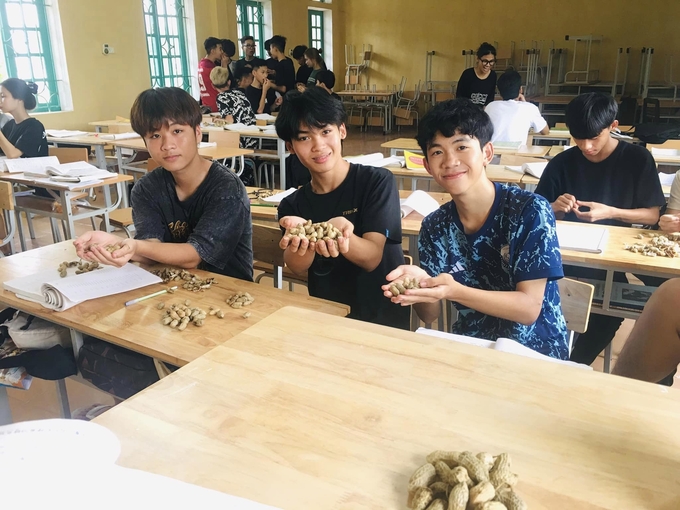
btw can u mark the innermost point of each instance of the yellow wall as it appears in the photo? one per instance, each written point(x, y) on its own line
point(402, 31)
point(104, 86)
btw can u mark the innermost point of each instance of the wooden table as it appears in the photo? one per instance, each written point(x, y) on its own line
point(217, 152)
point(340, 416)
point(138, 327)
point(37, 205)
point(410, 144)
point(496, 173)
point(382, 99)
point(100, 124)
point(91, 139)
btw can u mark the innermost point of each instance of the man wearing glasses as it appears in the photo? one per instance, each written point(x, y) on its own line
point(479, 83)
point(248, 52)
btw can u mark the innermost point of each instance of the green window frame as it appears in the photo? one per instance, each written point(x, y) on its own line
point(315, 25)
point(166, 43)
point(250, 21)
point(27, 49)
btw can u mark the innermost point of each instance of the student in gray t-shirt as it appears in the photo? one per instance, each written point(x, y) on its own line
point(189, 212)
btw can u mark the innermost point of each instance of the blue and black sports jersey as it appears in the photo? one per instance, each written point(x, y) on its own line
point(518, 242)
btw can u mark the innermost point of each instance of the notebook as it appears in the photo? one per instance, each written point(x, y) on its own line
point(581, 238)
point(535, 169)
point(76, 169)
point(501, 344)
point(420, 202)
point(242, 128)
point(414, 161)
point(64, 133)
point(59, 294)
point(118, 136)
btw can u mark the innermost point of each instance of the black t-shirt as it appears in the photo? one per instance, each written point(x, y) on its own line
point(285, 74)
point(627, 179)
point(238, 64)
point(481, 92)
point(302, 74)
point(215, 219)
point(27, 136)
point(368, 198)
point(254, 95)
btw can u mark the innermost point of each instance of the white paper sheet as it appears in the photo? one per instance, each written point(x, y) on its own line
point(36, 165)
point(60, 294)
point(535, 169)
point(276, 199)
point(242, 128)
point(64, 133)
point(118, 136)
point(265, 116)
point(665, 152)
point(420, 202)
point(204, 145)
point(376, 159)
point(581, 238)
point(667, 179)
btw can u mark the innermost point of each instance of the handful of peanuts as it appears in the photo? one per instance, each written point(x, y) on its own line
point(314, 232)
point(463, 481)
point(401, 287)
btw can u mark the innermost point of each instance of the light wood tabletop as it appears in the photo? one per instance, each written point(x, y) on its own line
point(22, 179)
point(138, 327)
point(307, 411)
point(496, 173)
point(410, 144)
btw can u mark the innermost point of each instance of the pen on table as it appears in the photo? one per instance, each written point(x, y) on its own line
point(135, 301)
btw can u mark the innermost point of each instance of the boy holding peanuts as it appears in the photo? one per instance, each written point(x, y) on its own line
point(360, 202)
point(492, 250)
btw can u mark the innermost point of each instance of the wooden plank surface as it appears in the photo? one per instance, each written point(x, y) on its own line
point(307, 411)
point(410, 144)
point(138, 327)
point(215, 152)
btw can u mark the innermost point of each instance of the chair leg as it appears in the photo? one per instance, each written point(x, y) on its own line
point(29, 220)
point(20, 231)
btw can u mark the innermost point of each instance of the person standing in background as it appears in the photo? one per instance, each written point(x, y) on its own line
point(213, 52)
point(479, 83)
point(248, 52)
point(303, 71)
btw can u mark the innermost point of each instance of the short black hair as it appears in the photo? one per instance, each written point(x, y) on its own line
point(326, 77)
point(588, 114)
point(211, 43)
point(228, 47)
point(247, 38)
point(299, 51)
point(257, 62)
point(454, 116)
point(267, 44)
point(314, 108)
point(22, 90)
point(241, 71)
point(279, 42)
point(485, 48)
point(509, 84)
point(155, 108)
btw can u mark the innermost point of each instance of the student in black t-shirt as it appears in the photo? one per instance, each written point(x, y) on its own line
point(23, 136)
point(247, 51)
point(479, 83)
point(303, 71)
point(285, 70)
point(601, 180)
point(189, 212)
point(361, 201)
point(260, 93)
point(326, 80)
point(228, 52)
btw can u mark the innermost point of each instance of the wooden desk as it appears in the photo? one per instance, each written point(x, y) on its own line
point(496, 173)
point(90, 139)
point(340, 416)
point(36, 205)
point(137, 145)
point(410, 144)
point(100, 124)
point(382, 99)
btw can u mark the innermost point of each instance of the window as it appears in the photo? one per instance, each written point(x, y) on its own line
point(27, 50)
point(315, 29)
point(166, 43)
point(250, 21)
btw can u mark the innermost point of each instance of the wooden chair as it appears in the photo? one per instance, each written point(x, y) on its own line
point(576, 298)
point(8, 226)
point(268, 257)
point(228, 139)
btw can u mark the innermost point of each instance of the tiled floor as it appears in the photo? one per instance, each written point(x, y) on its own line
point(41, 400)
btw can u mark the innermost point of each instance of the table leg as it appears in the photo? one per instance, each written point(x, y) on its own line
point(121, 188)
point(393, 152)
point(606, 299)
point(68, 215)
point(100, 156)
point(62, 396)
point(5, 411)
point(121, 170)
point(281, 153)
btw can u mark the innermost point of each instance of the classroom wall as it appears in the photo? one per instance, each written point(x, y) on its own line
point(104, 86)
point(402, 31)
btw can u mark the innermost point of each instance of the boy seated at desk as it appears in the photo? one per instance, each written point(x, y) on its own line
point(492, 250)
point(189, 212)
point(260, 92)
point(360, 201)
point(670, 222)
point(601, 180)
point(514, 116)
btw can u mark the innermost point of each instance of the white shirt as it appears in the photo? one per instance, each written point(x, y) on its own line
point(512, 120)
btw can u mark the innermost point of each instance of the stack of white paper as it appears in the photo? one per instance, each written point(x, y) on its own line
point(265, 116)
point(573, 236)
point(376, 159)
point(420, 202)
point(56, 293)
point(118, 136)
point(656, 151)
point(242, 128)
point(667, 179)
point(64, 133)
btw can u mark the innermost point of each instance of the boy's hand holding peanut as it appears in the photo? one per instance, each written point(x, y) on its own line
point(328, 239)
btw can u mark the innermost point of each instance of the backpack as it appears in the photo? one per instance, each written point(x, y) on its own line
point(655, 132)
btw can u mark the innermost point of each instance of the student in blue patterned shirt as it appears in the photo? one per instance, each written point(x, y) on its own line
point(492, 250)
